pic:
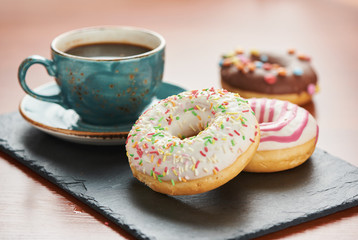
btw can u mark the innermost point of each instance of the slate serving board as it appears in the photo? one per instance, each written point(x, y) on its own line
point(249, 206)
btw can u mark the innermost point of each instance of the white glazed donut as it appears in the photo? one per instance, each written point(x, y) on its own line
point(288, 135)
point(193, 142)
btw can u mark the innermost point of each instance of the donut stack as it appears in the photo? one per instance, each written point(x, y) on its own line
point(198, 140)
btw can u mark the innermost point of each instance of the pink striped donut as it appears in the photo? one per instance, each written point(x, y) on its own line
point(288, 135)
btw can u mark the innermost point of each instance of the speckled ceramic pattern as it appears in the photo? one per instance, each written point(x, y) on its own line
point(111, 91)
point(104, 91)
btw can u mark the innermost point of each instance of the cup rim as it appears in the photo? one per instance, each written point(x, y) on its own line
point(94, 59)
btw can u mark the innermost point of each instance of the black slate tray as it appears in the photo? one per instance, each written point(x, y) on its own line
point(249, 206)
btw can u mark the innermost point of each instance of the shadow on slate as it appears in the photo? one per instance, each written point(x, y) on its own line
point(250, 205)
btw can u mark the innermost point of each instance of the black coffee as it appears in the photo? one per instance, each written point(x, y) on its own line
point(108, 50)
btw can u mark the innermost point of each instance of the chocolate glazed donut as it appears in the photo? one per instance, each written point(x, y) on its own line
point(287, 76)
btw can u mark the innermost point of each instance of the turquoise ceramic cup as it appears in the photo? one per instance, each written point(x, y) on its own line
point(102, 90)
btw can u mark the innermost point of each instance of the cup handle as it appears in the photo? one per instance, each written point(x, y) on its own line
point(51, 70)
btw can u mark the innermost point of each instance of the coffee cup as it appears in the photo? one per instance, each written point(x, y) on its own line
point(108, 74)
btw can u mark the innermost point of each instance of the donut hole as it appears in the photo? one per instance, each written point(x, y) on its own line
point(191, 123)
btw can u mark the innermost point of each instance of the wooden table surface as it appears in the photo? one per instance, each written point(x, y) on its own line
point(197, 33)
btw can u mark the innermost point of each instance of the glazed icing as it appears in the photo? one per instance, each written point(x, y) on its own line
point(282, 124)
point(269, 72)
point(191, 135)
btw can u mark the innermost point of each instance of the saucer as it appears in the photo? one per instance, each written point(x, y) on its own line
point(54, 119)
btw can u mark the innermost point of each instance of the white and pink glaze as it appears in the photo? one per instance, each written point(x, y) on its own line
point(282, 124)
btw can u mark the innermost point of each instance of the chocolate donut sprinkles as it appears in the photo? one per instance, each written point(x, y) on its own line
point(287, 76)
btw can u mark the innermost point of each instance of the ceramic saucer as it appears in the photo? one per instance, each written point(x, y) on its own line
point(64, 123)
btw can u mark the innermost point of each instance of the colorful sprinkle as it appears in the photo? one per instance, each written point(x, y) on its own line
point(303, 57)
point(229, 55)
point(297, 71)
point(267, 66)
point(311, 89)
point(239, 66)
point(197, 164)
point(251, 66)
point(254, 52)
point(226, 62)
point(203, 154)
point(239, 50)
point(270, 78)
point(264, 58)
point(154, 152)
point(281, 71)
point(258, 64)
point(291, 51)
point(172, 103)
